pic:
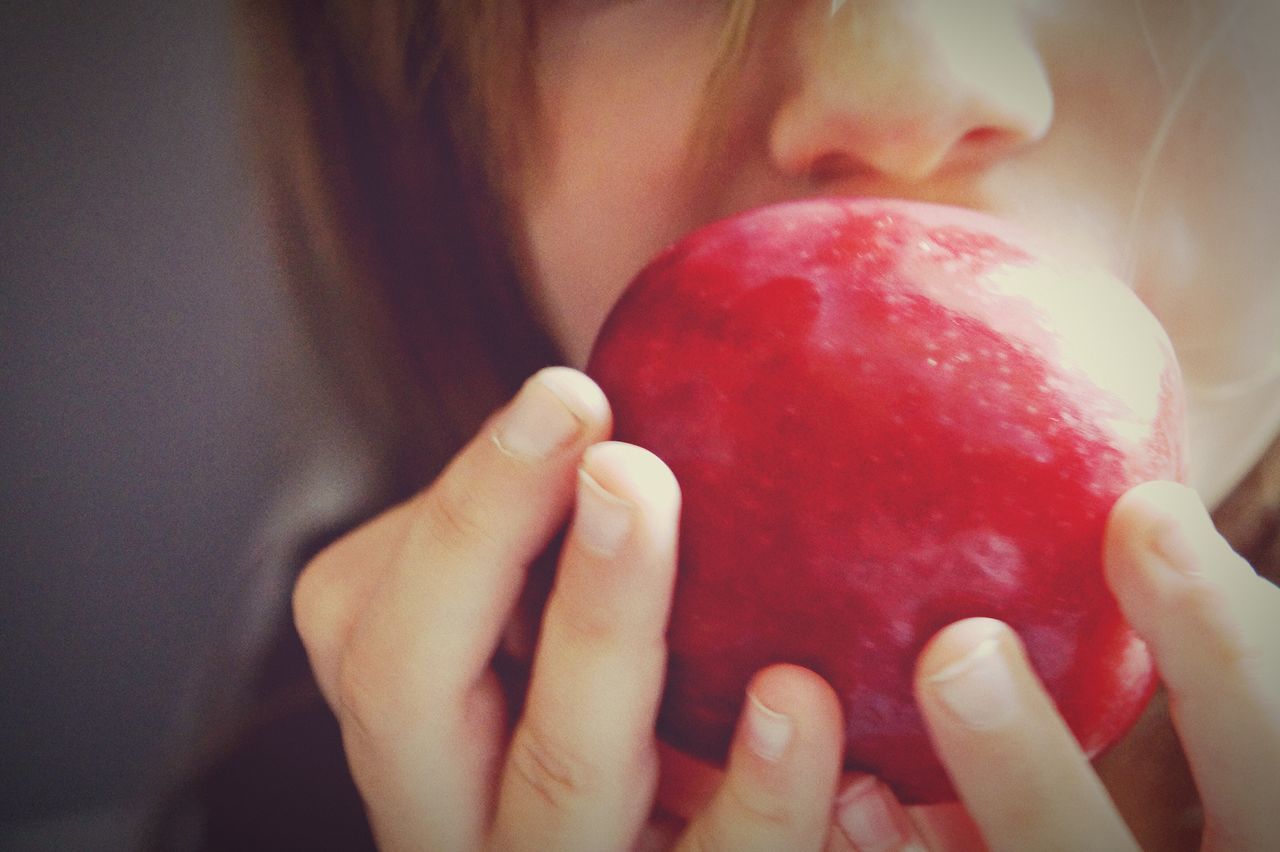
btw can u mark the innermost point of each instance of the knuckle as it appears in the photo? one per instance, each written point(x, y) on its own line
point(355, 706)
point(550, 767)
point(355, 699)
point(321, 607)
point(1207, 609)
point(454, 512)
point(582, 625)
point(704, 837)
point(758, 808)
point(587, 614)
point(388, 694)
point(374, 703)
point(1198, 602)
point(626, 648)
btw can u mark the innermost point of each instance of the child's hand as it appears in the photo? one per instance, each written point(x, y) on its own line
point(402, 617)
point(1214, 628)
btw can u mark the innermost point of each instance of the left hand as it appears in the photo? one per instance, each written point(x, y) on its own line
point(1213, 626)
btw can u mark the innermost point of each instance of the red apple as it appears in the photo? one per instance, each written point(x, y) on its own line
point(886, 416)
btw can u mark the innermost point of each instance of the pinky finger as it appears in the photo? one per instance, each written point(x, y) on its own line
point(783, 768)
point(869, 818)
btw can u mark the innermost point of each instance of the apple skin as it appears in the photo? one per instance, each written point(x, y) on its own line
point(886, 416)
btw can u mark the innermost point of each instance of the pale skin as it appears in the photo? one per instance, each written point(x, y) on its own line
point(402, 617)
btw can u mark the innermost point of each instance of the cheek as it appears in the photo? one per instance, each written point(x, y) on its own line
point(1207, 248)
point(1197, 282)
point(619, 100)
point(587, 239)
point(1182, 209)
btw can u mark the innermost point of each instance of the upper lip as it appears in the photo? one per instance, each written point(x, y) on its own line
point(956, 193)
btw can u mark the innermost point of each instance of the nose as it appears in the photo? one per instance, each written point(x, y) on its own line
point(906, 88)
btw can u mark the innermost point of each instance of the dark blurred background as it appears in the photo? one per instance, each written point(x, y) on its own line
point(146, 353)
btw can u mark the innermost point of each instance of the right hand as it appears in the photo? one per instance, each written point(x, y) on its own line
point(402, 618)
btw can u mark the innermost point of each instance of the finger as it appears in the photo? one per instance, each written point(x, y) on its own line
point(1213, 627)
point(421, 714)
point(336, 585)
point(783, 767)
point(946, 825)
point(435, 617)
point(581, 768)
point(1016, 765)
point(869, 818)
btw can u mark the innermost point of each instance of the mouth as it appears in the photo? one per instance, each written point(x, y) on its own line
point(928, 239)
point(1073, 230)
point(941, 218)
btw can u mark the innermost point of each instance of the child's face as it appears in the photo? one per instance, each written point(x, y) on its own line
point(1042, 111)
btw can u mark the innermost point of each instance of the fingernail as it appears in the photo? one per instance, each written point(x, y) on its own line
point(978, 688)
point(602, 520)
point(768, 731)
point(539, 422)
point(867, 819)
point(1169, 546)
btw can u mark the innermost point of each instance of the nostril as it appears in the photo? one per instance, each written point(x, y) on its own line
point(831, 167)
point(981, 137)
point(982, 145)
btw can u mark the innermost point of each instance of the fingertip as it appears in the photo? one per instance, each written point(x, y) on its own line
point(579, 393)
point(630, 471)
point(787, 702)
point(784, 766)
point(1209, 623)
point(1158, 498)
point(871, 818)
point(636, 476)
point(972, 673)
point(556, 410)
point(1012, 759)
point(795, 690)
point(1162, 550)
point(1147, 519)
point(956, 642)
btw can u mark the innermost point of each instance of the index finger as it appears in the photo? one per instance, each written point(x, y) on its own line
point(1016, 765)
point(1213, 626)
point(436, 616)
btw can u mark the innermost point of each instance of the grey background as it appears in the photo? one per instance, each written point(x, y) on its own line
point(143, 340)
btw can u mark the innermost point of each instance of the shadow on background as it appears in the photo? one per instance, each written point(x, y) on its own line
point(145, 347)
